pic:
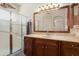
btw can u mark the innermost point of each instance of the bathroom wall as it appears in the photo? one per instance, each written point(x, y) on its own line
point(28, 9)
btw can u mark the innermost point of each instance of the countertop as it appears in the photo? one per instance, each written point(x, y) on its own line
point(60, 37)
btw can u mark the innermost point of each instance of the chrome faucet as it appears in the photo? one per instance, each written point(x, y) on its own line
point(47, 33)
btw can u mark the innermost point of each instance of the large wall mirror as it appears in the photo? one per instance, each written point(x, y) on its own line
point(52, 21)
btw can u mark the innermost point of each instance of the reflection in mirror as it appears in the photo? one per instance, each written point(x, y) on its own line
point(52, 21)
point(60, 24)
point(76, 21)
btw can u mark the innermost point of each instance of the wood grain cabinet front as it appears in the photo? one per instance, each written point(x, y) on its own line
point(47, 47)
point(70, 49)
point(28, 46)
point(51, 48)
point(38, 47)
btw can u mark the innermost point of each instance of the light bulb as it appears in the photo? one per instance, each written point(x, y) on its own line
point(46, 7)
point(56, 5)
point(51, 6)
point(42, 8)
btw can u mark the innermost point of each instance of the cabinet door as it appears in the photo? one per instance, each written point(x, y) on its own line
point(51, 49)
point(28, 46)
point(39, 47)
point(39, 50)
point(70, 49)
point(67, 51)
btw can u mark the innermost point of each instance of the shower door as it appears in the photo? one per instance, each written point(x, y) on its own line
point(11, 24)
point(4, 32)
point(24, 30)
point(16, 32)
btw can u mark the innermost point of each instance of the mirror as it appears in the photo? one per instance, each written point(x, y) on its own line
point(52, 21)
point(76, 14)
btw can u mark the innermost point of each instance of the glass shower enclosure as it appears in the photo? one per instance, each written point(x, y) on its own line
point(12, 31)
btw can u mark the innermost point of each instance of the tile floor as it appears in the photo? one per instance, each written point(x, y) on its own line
point(20, 54)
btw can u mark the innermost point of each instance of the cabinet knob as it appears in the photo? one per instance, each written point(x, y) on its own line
point(72, 45)
point(46, 46)
point(42, 46)
point(29, 47)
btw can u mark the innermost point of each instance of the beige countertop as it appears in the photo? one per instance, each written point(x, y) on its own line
point(61, 37)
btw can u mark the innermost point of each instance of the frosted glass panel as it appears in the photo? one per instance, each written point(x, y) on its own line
point(4, 20)
point(16, 29)
point(4, 43)
point(16, 42)
point(18, 22)
point(16, 18)
point(24, 25)
point(4, 25)
point(4, 32)
point(23, 20)
point(24, 30)
point(4, 14)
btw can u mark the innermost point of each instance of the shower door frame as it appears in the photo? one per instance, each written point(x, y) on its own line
point(10, 34)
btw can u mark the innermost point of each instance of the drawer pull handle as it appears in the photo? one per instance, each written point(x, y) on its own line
point(72, 45)
point(42, 46)
point(29, 46)
point(46, 46)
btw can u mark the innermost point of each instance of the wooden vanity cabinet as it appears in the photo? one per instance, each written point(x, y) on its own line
point(51, 48)
point(27, 46)
point(40, 47)
point(69, 49)
point(43, 47)
point(47, 47)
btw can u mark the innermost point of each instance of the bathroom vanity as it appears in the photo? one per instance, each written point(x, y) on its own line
point(58, 21)
point(52, 45)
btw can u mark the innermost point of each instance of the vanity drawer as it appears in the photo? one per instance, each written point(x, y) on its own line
point(39, 41)
point(70, 44)
point(69, 49)
point(52, 42)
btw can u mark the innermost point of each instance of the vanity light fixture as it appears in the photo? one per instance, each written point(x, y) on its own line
point(7, 5)
point(48, 7)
